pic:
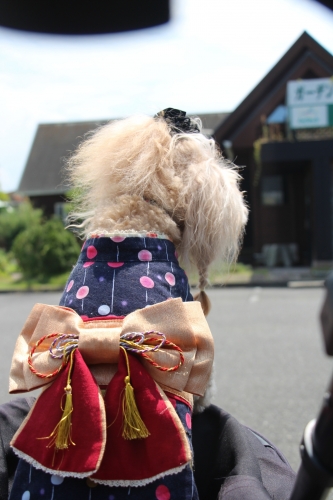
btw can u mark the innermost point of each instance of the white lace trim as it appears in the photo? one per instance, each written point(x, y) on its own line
point(139, 482)
point(82, 475)
point(128, 232)
point(37, 465)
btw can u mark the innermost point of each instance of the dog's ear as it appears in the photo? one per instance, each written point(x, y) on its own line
point(215, 215)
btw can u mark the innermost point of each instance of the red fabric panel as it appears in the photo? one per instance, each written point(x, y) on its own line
point(164, 449)
point(86, 319)
point(174, 397)
point(87, 423)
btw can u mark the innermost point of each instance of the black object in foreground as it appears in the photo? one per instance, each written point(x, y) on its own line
point(327, 3)
point(315, 476)
point(83, 17)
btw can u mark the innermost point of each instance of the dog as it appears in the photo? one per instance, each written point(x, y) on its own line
point(161, 175)
point(148, 192)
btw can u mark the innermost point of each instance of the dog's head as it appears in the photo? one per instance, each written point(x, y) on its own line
point(181, 173)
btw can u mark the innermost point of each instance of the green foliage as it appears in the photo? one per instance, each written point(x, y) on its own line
point(74, 197)
point(4, 196)
point(73, 194)
point(241, 268)
point(45, 250)
point(16, 220)
point(6, 264)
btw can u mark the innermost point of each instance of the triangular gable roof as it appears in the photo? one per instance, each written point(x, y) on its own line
point(53, 142)
point(305, 59)
point(43, 173)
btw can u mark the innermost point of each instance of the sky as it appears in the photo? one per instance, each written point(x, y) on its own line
point(206, 59)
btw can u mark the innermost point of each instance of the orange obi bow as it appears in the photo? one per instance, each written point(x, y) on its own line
point(182, 323)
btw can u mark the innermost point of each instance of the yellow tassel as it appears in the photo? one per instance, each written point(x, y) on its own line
point(61, 434)
point(63, 429)
point(134, 427)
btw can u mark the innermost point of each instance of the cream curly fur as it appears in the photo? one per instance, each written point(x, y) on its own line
point(197, 202)
point(192, 192)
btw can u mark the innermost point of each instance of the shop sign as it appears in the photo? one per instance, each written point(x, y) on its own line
point(310, 103)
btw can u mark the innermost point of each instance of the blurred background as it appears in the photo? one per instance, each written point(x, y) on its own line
point(260, 76)
point(238, 65)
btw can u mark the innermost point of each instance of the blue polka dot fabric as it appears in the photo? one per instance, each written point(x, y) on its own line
point(117, 275)
point(113, 277)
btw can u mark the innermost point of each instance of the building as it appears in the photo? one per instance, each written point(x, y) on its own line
point(43, 179)
point(287, 173)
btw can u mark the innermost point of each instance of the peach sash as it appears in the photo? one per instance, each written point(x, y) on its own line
point(183, 323)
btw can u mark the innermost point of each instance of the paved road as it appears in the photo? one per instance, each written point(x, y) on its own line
point(271, 371)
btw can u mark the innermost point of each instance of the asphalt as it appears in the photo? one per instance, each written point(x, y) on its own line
point(271, 370)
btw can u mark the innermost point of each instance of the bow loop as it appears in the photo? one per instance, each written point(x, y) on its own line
point(172, 338)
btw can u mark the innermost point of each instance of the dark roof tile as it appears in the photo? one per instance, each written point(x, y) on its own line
point(53, 142)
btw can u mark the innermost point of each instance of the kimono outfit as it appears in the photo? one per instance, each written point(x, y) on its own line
point(125, 282)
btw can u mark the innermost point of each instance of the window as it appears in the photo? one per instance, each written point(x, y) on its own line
point(61, 210)
point(272, 190)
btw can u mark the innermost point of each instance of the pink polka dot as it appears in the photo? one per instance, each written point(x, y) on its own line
point(82, 292)
point(146, 282)
point(145, 255)
point(70, 284)
point(170, 278)
point(162, 492)
point(91, 252)
point(88, 264)
point(118, 239)
point(115, 264)
point(188, 420)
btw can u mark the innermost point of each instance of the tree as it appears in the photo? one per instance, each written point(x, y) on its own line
point(45, 250)
point(16, 220)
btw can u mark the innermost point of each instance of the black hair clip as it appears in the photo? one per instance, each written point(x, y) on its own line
point(178, 121)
